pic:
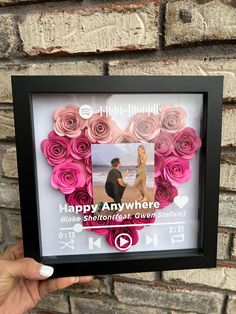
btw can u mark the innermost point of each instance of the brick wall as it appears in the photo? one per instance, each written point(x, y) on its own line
point(126, 37)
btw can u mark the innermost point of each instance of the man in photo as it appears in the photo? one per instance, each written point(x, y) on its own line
point(115, 185)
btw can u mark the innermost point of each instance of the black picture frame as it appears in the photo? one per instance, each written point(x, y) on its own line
point(205, 256)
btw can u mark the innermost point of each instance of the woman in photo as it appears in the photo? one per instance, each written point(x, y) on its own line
point(140, 181)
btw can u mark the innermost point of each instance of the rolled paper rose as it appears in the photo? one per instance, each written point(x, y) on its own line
point(114, 232)
point(164, 192)
point(126, 138)
point(80, 196)
point(67, 177)
point(80, 147)
point(99, 129)
point(172, 119)
point(103, 223)
point(88, 164)
point(186, 143)
point(163, 144)
point(89, 183)
point(144, 220)
point(159, 162)
point(176, 170)
point(68, 121)
point(145, 127)
point(56, 149)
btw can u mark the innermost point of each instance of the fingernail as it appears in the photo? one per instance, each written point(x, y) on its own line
point(46, 271)
point(76, 279)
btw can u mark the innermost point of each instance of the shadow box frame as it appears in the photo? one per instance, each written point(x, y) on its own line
point(109, 263)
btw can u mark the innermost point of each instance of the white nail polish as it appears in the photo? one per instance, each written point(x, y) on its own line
point(46, 271)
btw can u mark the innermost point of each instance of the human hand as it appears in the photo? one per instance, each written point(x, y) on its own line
point(127, 173)
point(24, 282)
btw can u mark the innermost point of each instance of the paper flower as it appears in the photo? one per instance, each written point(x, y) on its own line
point(80, 147)
point(99, 129)
point(172, 119)
point(67, 177)
point(101, 223)
point(126, 138)
point(159, 162)
point(164, 192)
point(186, 143)
point(176, 170)
point(80, 196)
point(163, 144)
point(68, 122)
point(144, 220)
point(56, 149)
point(145, 127)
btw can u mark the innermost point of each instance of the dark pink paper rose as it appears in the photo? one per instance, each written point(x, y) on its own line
point(114, 232)
point(102, 230)
point(159, 162)
point(56, 149)
point(145, 127)
point(144, 220)
point(100, 129)
point(68, 121)
point(88, 164)
point(164, 192)
point(80, 196)
point(172, 119)
point(186, 143)
point(80, 147)
point(89, 183)
point(126, 138)
point(67, 177)
point(177, 170)
point(163, 144)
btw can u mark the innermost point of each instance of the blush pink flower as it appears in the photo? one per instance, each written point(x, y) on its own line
point(97, 223)
point(67, 177)
point(172, 119)
point(114, 232)
point(126, 138)
point(68, 121)
point(100, 129)
point(164, 192)
point(176, 170)
point(142, 220)
point(159, 162)
point(80, 147)
point(186, 143)
point(56, 149)
point(80, 196)
point(163, 144)
point(145, 127)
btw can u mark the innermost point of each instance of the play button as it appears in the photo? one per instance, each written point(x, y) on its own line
point(123, 241)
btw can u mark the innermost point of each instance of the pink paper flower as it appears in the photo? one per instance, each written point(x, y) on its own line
point(80, 147)
point(80, 196)
point(99, 129)
point(163, 144)
point(172, 119)
point(89, 182)
point(67, 177)
point(114, 232)
point(164, 192)
point(176, 170)
point(88, 164)
point(144, 220)
point(56, 149)
point(68, 121)
point(145, 127)
point(186, 143)
point(126, 138)
point(98, 223)
point(159, 162)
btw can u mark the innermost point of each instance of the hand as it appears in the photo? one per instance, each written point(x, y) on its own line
point(24, 282)
point(127, 173)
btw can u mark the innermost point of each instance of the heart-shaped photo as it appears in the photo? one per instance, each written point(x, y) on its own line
point(110, 171)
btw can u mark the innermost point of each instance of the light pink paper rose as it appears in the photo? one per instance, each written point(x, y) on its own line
point(163, 144)
point(56, 149)
point(176, 170)
point(80, 147)
point(186, 143)
point(164, 192)
point(100, 129)
point(98, 223)
point(172, 119)
point(114, 232)
point(80, 196)
point(141, 221)
point(159, 162)
point(67, 177)
point(126, 138)
point(145, 127)
point(68, 121)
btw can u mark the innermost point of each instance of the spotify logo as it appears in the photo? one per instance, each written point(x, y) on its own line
point(85, 111)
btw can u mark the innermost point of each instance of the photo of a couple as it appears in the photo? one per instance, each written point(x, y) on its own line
point(123, 173)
